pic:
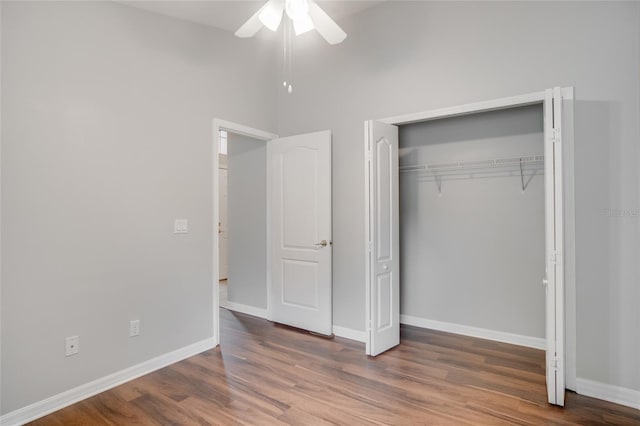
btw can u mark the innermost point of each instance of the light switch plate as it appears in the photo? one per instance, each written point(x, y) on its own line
point(134, 328)
point(181, 226)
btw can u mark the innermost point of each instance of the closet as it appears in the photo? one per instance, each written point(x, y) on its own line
point(465, 226)
point(472, 224)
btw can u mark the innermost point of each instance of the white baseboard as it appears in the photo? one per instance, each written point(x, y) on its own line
point(71, 396)
point(247, 309)
point(349, 333)
point(483, 333)
point(615, 394)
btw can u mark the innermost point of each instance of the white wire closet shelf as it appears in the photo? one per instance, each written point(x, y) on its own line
point(495, 167)
point(464, 166)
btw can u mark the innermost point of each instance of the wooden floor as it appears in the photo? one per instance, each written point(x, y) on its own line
point(266, 374)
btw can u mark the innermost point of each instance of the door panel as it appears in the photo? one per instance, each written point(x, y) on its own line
point(300, 283)
point(554, 245)
point(384, 297)
point(384, 202)
point(559, 245)
point(383, 254)
point(300, 221)
point(300, 198)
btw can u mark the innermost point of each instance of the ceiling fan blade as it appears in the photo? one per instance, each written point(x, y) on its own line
point(252, 26)
point(271, 14)
point(325, 25)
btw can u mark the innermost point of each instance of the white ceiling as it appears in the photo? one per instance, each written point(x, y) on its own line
point(230, 15)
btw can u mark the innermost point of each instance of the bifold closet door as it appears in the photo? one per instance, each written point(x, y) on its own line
point(554, 245)
point(383, 282)
point(300, 168)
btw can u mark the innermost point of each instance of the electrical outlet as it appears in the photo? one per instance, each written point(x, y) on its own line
point(72, 345)
point(181, 226)
point(134, 328)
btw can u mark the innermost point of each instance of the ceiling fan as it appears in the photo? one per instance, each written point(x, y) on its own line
point(305, 14)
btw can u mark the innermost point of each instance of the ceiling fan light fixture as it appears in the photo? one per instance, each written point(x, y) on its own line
point(302, 24)
point(305, 14)
point(271, 15)
point(297, 9)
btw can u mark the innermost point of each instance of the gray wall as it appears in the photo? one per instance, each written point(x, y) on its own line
point(403, 57)
point(475, 254)
point(247, 220)
point(106, 139)
point(106, 136)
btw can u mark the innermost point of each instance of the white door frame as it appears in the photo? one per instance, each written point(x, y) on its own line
point(219, 124)
point(567, 188)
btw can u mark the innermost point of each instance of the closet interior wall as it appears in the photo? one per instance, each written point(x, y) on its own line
point(472, 241)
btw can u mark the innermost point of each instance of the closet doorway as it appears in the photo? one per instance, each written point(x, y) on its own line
point(382, 217)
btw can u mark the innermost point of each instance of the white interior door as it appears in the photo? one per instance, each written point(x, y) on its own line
point(554, 245)
point(300, 168)
point(222, 224)
point(383, 282)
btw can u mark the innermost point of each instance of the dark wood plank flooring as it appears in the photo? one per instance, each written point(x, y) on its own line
point(266, 374)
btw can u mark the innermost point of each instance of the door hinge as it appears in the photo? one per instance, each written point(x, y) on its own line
point(555, 257)
point(557, 136)
point(370, 246)
point(555, 363)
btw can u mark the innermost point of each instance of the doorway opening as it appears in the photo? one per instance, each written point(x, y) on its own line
point(276, 226)
point(555, 252)
point(472, 225)
point(241, 237)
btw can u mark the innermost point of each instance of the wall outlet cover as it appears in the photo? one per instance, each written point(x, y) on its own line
point(181, 226)
point(72, 346)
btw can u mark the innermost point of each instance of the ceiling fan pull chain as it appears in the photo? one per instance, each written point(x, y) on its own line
point(290, 40)
point(287, 48)
point(284, 56)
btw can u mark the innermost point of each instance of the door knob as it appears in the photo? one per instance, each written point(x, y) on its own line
point(322, 243)
point(385, 267)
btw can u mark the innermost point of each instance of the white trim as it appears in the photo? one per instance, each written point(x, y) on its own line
point(367, 238)
point(247, 309)
point(615, 394)
point(349, 333)
point(473, 108)
point(482, 333)
point(568, 92)
point(243, 130)
point(79, 393)
point(219, 124)
point(569, 237)
point(268, 225)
